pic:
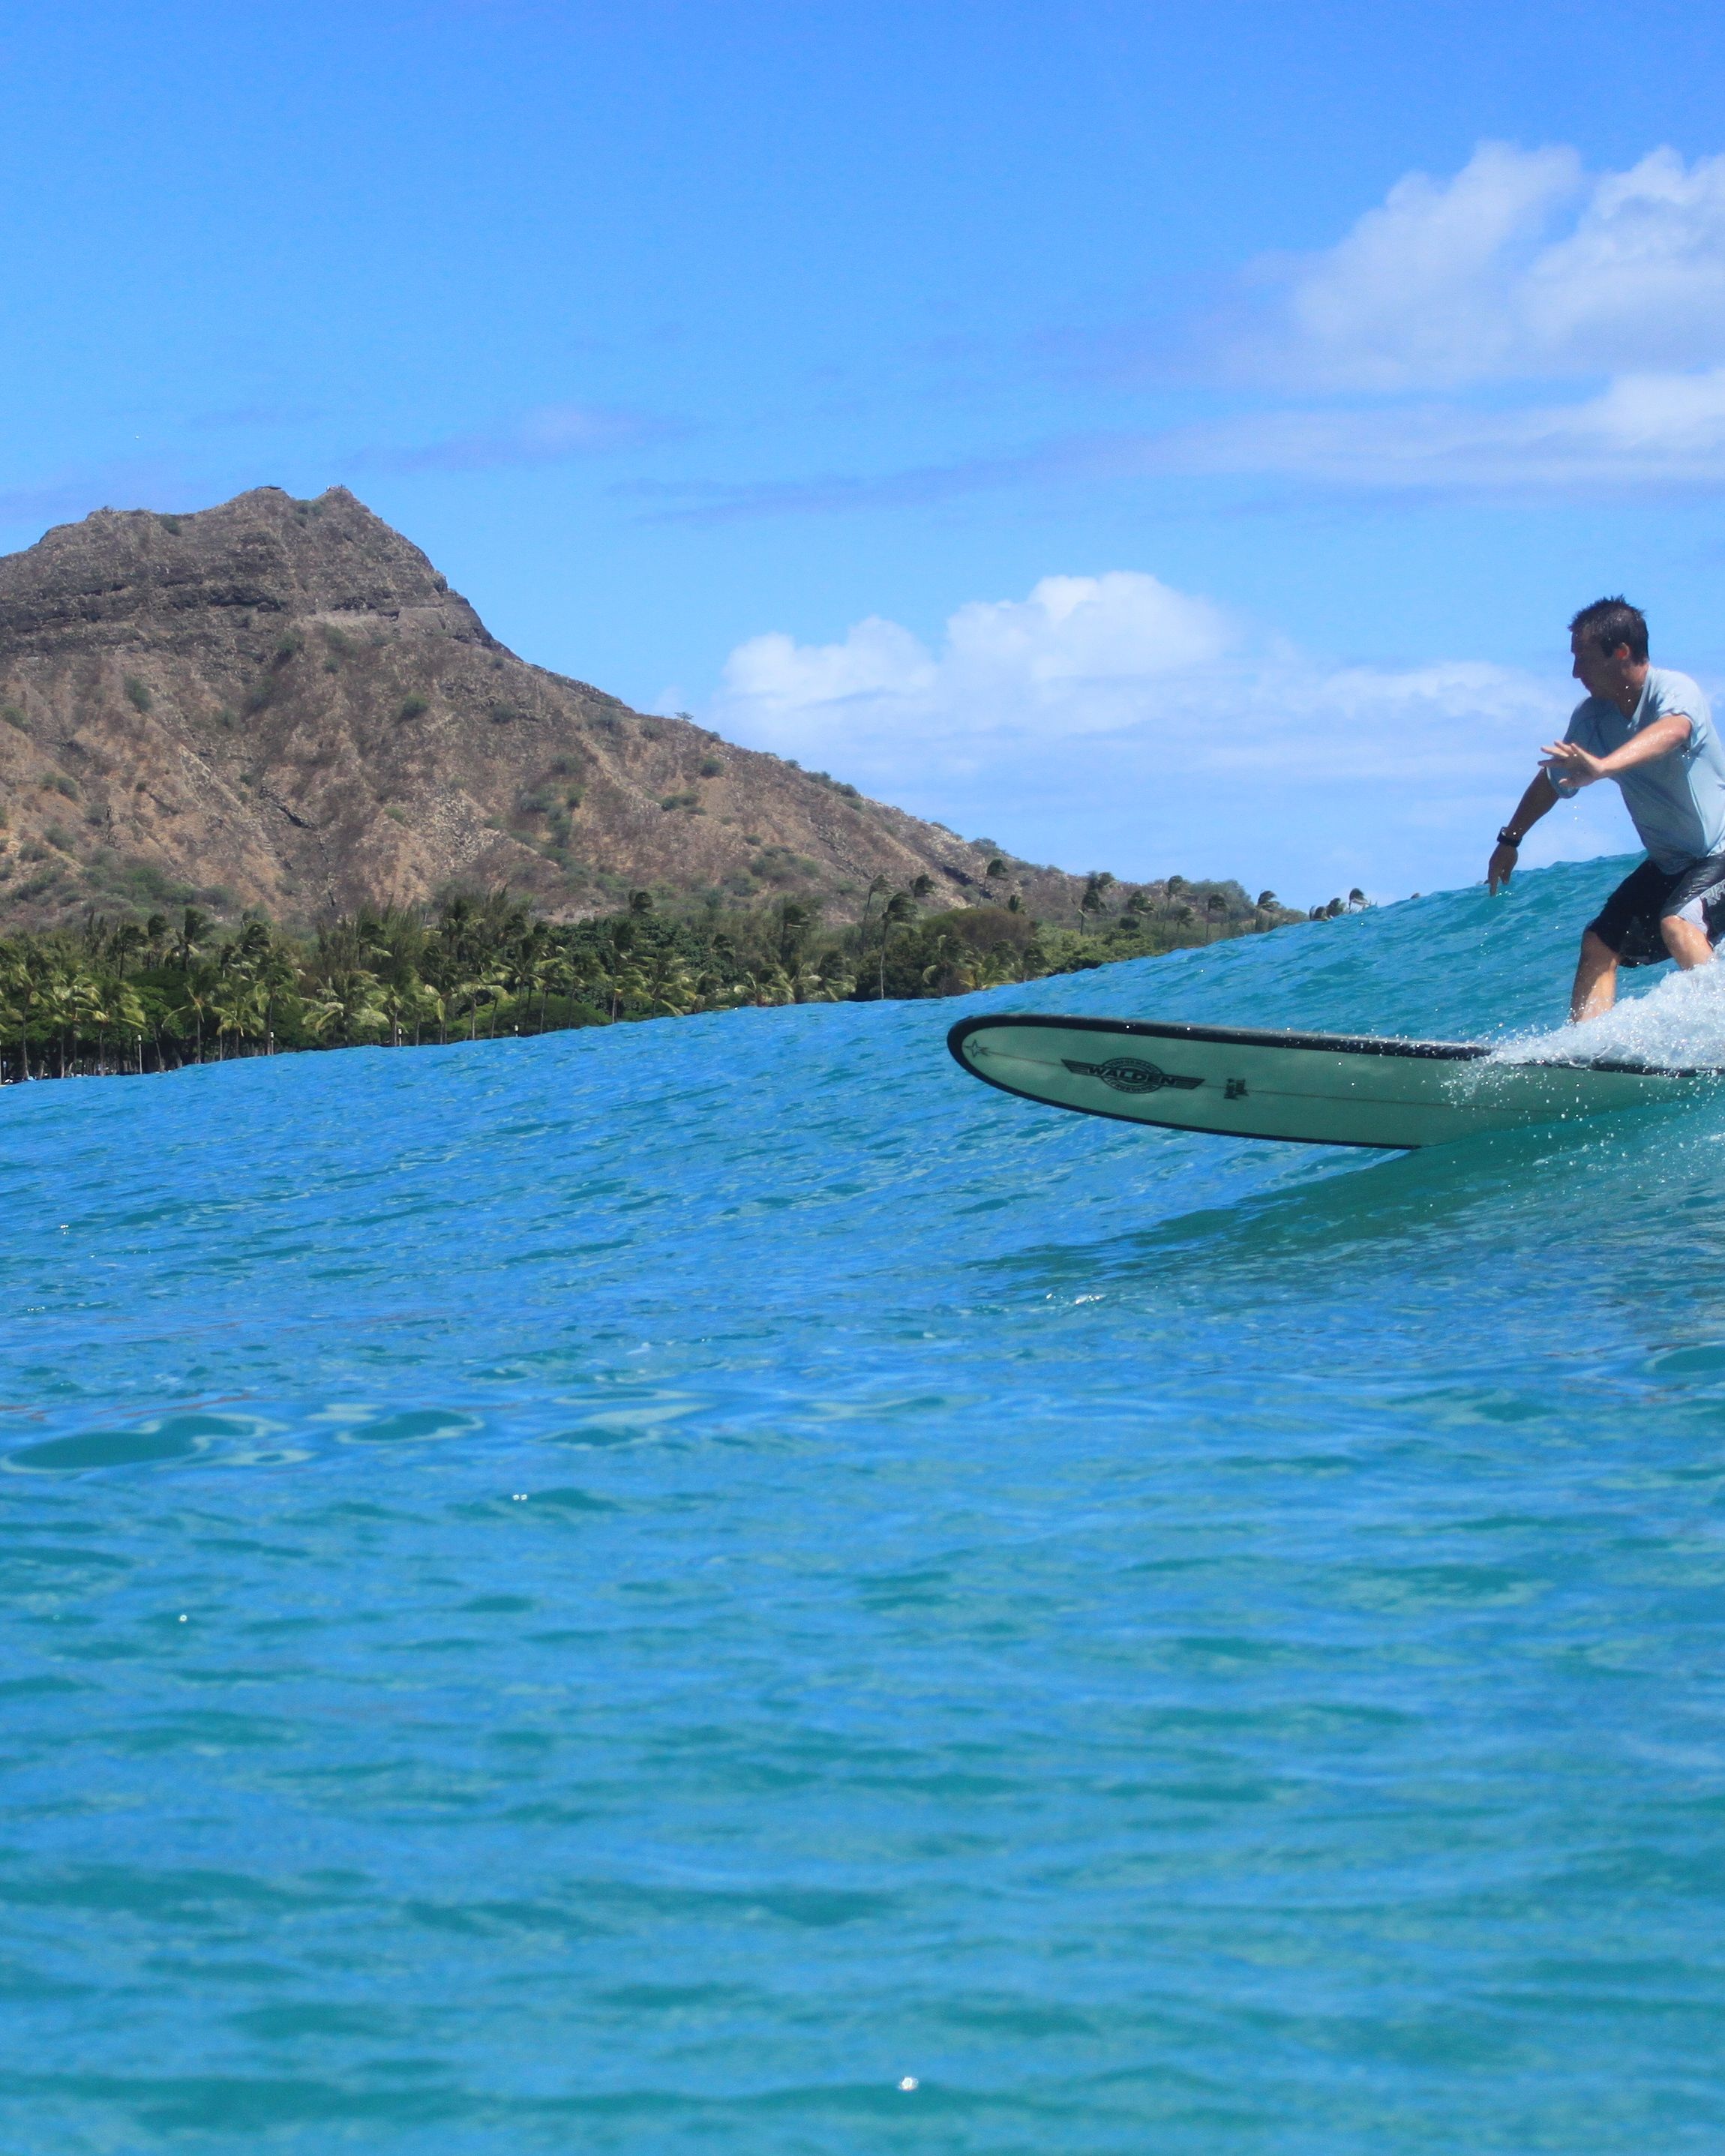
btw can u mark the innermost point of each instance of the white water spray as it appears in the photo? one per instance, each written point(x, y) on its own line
point(1679, 1025)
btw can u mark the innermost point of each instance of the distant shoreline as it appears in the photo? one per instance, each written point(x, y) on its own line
point(137, 997)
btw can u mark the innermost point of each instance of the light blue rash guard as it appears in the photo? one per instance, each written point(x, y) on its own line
point(1677, 802)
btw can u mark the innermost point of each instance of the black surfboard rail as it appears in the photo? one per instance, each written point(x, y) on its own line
point(1340, 1043)
point(1227, 1036)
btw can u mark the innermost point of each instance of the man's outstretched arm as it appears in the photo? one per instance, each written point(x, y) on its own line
point(1572, 765)
point(1540, 799)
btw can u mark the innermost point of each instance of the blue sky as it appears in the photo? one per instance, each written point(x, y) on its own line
point(1083, 424)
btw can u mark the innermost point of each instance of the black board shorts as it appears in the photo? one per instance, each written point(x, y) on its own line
point(1628, 922)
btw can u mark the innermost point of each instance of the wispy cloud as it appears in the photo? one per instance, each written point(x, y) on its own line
point(1115, 720)
point(549, 435)
point(718, 501)
point(1077, 457)
point(1521, 327)
point(1664, 432)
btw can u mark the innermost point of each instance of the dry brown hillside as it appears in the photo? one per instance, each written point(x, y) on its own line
point(281, 704)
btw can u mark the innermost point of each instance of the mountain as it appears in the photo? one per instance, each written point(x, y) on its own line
point(281, 704)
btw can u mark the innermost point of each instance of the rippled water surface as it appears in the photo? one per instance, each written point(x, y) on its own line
point(637, 1590)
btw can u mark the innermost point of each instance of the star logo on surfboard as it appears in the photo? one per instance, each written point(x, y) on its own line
point(1127, 1073)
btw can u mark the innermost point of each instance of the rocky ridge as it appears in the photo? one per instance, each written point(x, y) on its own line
point(281, 704)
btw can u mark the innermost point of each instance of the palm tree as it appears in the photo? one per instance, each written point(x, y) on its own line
point(126, 1014)
point(347, 1004)
point(20, 985)
point(612, 978)
point(11, 1017)
point(881, 885)
point(810, 986)
point(252, 945)
point(486, 986)
point(59, 1002)
point(629, 984)
point(769, 986)
point(524, 963)
point(669, 987)
point(197, 995)
point(899, 910)
point(545, 970)
point(89, 1001)
point(126, 942)
point(398, 999)
point(275, 979)
point(1096, 885)
point(87, 997)
point(795, 918)
point(837, 982)
point(189, 939)
point(990, 969)
point(235, 1003)
point(431, 1005)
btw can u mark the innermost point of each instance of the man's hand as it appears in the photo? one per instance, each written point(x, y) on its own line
point(1570, 765)
point(1535, 803)
point(1567, 765)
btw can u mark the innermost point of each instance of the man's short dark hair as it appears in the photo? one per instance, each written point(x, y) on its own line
point(1608, 622)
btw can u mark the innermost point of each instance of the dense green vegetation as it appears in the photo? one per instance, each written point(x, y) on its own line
point(158, 993)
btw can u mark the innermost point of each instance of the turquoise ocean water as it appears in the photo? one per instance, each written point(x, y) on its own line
point(636, 1591)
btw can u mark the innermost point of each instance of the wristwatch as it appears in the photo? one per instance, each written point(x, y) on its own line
point(1506, 837)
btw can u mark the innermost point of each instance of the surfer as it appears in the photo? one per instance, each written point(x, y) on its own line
point(1652, 731)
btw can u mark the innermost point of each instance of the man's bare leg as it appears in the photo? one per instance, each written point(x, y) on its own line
point(1687, 944)
point(1595, 988)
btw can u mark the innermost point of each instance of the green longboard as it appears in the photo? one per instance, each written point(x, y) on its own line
point(1314, 1088)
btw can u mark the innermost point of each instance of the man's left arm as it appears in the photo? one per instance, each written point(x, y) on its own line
point(1568, 761)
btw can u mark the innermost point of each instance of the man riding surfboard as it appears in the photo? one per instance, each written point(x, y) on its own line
point(1652, 731)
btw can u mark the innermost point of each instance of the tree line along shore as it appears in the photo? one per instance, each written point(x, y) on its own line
point(156, 993)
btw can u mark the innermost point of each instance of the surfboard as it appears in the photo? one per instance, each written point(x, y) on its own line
point(1313, 1088)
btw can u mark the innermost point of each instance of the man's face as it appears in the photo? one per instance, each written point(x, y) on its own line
point(1600, 673)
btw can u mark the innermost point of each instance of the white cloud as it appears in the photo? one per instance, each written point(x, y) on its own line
point(1076, 656)
point(1114, 721)
point(1420, 290)
point(1521, 273)
point(1519, 268)
point(1666, 431)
